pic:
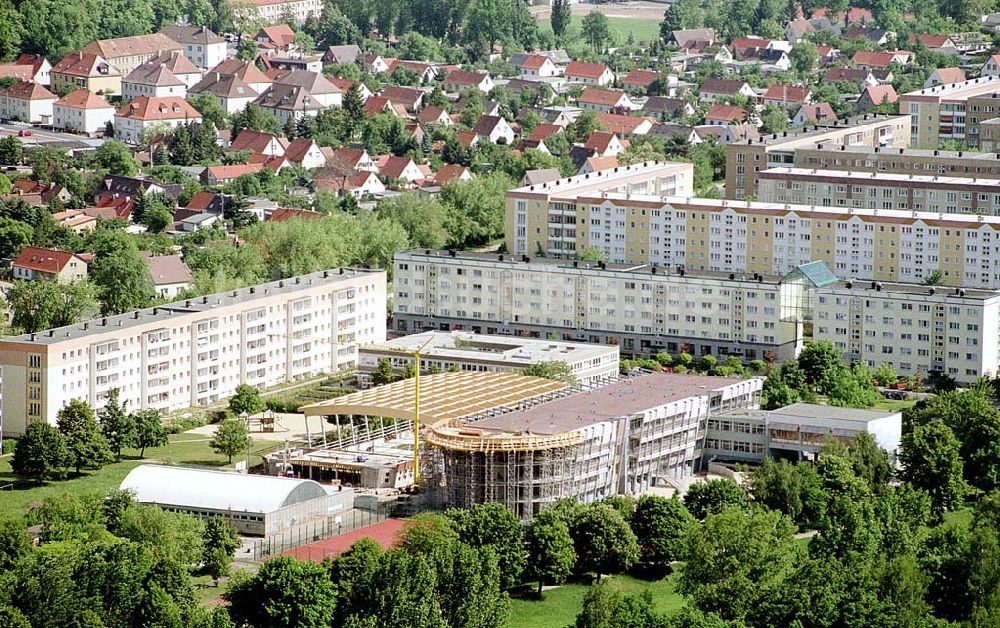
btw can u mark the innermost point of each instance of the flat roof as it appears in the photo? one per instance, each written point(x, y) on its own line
point(445, 396)
point(914, 289)
point(971, 87)
point(463, 345)
point(921, 153)
point(818, 411)
point(840, 126)
point(876, 177)
point(203, 304)
point(595, 181)
point(607, 403)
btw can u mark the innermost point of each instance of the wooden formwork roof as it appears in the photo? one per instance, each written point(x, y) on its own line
point(443, 397)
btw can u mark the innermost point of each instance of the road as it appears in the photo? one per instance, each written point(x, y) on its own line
point(41, 137)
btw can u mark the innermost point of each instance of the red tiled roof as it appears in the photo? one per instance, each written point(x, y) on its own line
point(585, 70)
point(464, 77)
point(83, 99)
point(298, 148)
point(721, 86)
point(621, 124)
point(950, 75)
point(931, 41)
point(431, 114)
point(84, 64)
point(599, 141)
point(41, 260)
point(486, 124)
point(158, 108)
point(817, 112)
point(787, 93)
point(248, 139)
point(873, 58)
point(201, 200)
point(449, 172)
point(534, 62)
point(544, 131)
point(854, 15)
point(599, 96)
point(284, 214)
point(280, 34)
point(403, 95)
point(880, 93)
point(394, 166)
point(16, 70)
point(24, 90)
point(376, 105)
point(729, 113)
point(640, 78)
point(221, 173)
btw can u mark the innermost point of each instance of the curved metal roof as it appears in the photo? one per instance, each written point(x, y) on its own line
point(217, 490)
point(442, 397)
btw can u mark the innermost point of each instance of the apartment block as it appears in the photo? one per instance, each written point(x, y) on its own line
point(929, 162)
point(745, 159)
point(877, 190)
point(195, 352)
point(940, 113)
point(642, 309)
point(542, 218)
point(916, 329)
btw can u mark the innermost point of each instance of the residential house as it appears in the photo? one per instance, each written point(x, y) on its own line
point(856, 76)
point(466, 139)
point(180, 65)
point(435, 115)
point(723, 115)
point(410, 98)
point(604, 100)
point(874, 95)
point(638, 81)
point(853, 15)
point(28, 67)
point(199, 44)
point(152, 79)
point(345, 86)
point(877, 36)
point(374, 64)
point(86, 71)
point(540, 176)
point(494, 129)
point(206, 202)
point(349, 53)
point(544, 131)
point(663, 108)
point(356, 183)
point(75, 220)
point(380, 104)
point(169, 275)
point(347, 158)
point(770, 60)
point(27, 102)
point(589, 73)
point(458, 81)
point(684, 38)
point(398, 169)
point(232, 94)
point(720, 89)
point(146, 112)
point(305, 153)
point(127, 53)
point(604, 144)
point(424, 71)
point(451, 172)
point(937, 43)
point(787, 96)
point(741, 47)
point(285, 101)
point(37, 194)
point(539, 65)
point(275, 37)
point(249, 73)
point(325, 92)
point(285, 214)
point(38, 264)
point(881, 60)
point(945, 76)
point(676, 132)
point(81, 111)
point(991, 67)
point(597, 164)
point(275, 11)
point(197, 222)
point(623, 125)
point(820, 113)
point(219, 175)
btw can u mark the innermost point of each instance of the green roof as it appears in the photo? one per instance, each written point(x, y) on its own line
point(817, 273)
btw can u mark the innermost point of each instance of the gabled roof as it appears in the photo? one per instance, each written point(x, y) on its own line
point(192, 35)
point(132, 46)
point(621, 124)
point(486, 124)
point(153, 74)
point(729, 113)
point(158, 108)
point(816, 273)
point(601, 96)
point(663, 104)
point(342, 54)
point(347, 156)
point(247, 71)
point(873, 58)
point(640, 78)
point(534, 62)
point(787, 93)
point(740, 45)
point(402, 95)
point(542, 175)
point(949, 75)
point(284, 214)
point(854, 15)
point(23, 90)
point(256, 141)
point(166, 270)
point(682, 37)
point(448, 173)
point(279, 34)
point(817, 112)
point(51, 261)
point(464, 77)
point(393, 166)
point(597, 164)
point(722, 86)
point(84, 64)
point(83, 99)
point(17, 71)
point(586, 70)
point(221, 173)
point(224, 86)
point(544, 131)
point(600, 141)
point(206, 201)
point(931, 41)
point(880, 93)
point(298, 149)
point(290, 97)
point(377, 104)
point(431, 114)
point(315, 82)
point(851, 75)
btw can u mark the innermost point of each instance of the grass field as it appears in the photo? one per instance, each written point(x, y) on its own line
point(894, 405)
point(183, 449)
point(641, 29)
point(560, 606)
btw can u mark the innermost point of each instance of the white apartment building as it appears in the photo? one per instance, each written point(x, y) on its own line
point(642, 309)
point(199, 44)
point(195, 352)
point(916, 329)
point(774, 238)
point(463, 351)
point(274, 11)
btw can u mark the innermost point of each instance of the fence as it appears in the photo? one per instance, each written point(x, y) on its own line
point(319, 530)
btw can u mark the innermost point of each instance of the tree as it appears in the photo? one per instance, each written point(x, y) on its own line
point(793, 490)
point(849, 387)
point(804, 58)
point(285, 592)
point(712, 496)
point(353, 574)
point(596, 30)
point(497, 527)
point(246, 400)
point(119, 272)
point(736, 560)
point(14, 236)
point(149, 430)
point(550, 549)
point(931, 461)
point(469, 586)
point(489, 21)
point(115, 157)
point(885, 374)
point(231, 438)
point(157, 219)
point(117, 426)
point(220, 542)
point(660, 525)
point(38, 305)
point(11, 31)
point(773, 119)
point(561, 17)
point(10, 151)
point(383, 373)
point(557, 370)
point(603, 541)
point(56, 27)
point(422, 216)
point(817, 358)
point(40, 452)
point(86, 445)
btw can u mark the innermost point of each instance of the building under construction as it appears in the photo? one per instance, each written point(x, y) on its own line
point(525, 441)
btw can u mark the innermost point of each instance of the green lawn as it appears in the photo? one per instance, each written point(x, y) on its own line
point(894, 405)
point(190, 449)
point(641, 29)
point(560, 606)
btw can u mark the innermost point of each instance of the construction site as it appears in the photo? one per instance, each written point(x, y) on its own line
point(521, 441)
